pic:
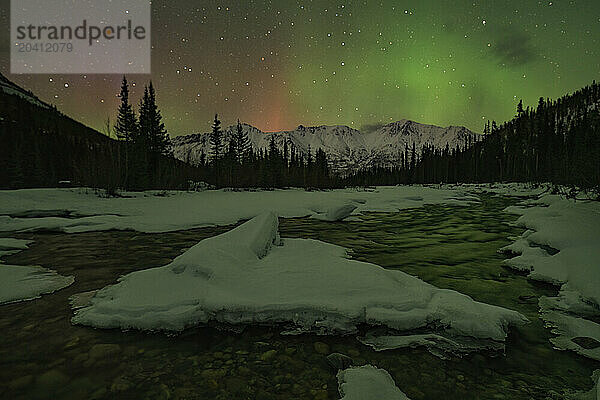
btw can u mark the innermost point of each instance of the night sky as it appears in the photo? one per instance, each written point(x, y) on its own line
point(278, 64)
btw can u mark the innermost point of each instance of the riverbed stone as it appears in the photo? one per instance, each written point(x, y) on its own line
point(52, 380)
point(353, 352)
point(321, 348)
point(213, 373)
point(103, 350)
point(120, 385)
point(268, 355)
point(21, 382)
point(321, 395)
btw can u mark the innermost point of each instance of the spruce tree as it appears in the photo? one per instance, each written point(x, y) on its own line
point(159, 138)
point(126, 125)
point(520, 108)
point(142, 139)
point(242, 143)
point(141, 144)
point(216, 142)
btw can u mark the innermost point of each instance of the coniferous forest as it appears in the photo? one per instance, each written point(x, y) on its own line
point(41, 147)
point(556, 141)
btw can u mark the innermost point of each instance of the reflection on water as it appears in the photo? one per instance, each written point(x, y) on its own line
point(43, 356)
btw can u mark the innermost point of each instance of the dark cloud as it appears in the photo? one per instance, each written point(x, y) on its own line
point(366, 128)
point(513, 49)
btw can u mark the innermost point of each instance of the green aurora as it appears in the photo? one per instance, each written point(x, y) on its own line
point(278, 64)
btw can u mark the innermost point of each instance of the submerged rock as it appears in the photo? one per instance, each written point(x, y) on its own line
point(321, 348)
point(103, 350)
point(52, 380)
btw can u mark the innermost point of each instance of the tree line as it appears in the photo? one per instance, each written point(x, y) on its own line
point(557, 141)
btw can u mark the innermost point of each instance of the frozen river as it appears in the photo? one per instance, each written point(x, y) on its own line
point(43, 355)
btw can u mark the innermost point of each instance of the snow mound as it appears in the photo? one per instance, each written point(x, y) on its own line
point(18, 283)
point(336, 213)
point(368, 383)
point(244, 277)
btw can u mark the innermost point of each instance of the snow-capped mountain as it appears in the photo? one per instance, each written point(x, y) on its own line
point(348, 149)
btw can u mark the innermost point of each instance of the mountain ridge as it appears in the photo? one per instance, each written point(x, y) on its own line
point(349, 150)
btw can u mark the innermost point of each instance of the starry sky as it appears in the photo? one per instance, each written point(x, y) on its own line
point(280, 63)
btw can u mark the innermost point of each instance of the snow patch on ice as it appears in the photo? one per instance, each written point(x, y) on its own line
point(19, 283)
point(368, 383)
point(249, 276)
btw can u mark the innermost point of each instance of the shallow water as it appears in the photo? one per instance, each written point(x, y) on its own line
point(43, 356)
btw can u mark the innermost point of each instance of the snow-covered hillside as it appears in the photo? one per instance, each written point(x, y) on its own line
point(10, 88)
point(348, 149)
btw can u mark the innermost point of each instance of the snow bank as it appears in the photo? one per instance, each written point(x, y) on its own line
point(565, 318)
point(247, 276)
point(366, 383)
point(19, 283)
point(80, 210)
point(572, 230)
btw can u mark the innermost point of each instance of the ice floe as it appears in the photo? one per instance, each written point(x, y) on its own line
point(250, 276)
point(368, 383)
